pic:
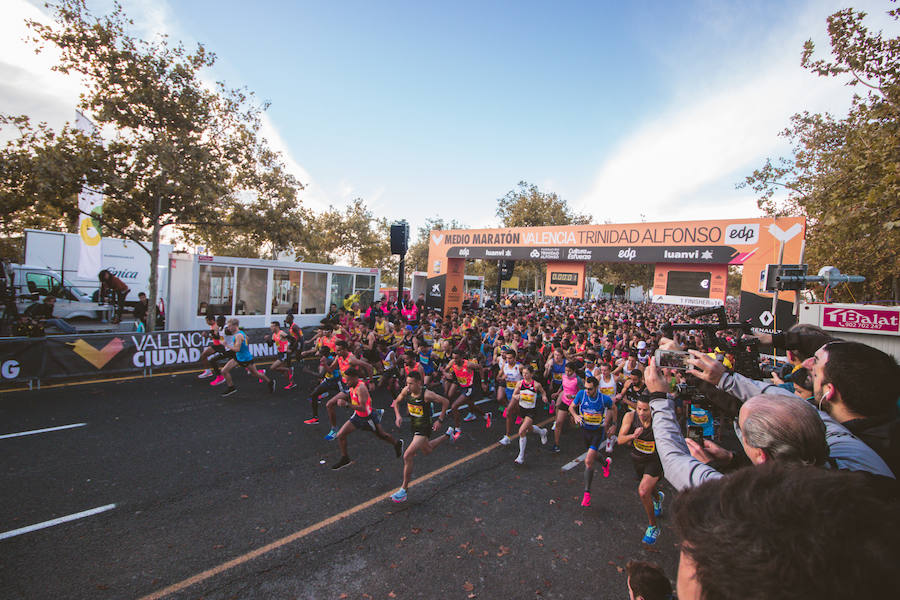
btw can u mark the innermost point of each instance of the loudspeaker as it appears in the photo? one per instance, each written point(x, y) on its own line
point(506, 269)
point(399, 237)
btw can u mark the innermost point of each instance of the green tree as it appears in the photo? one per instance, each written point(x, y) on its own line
point(843, 172)
point(177, 151)
point(527, 206)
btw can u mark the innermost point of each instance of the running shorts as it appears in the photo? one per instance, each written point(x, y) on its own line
point(365, 423)
point(594, 439)
point(647, 466)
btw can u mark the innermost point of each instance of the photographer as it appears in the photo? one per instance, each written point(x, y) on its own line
point(781, 427)
point(779, 532)
point(800, 343)
point(116, 289)
point(42, 314)
point(858, 386)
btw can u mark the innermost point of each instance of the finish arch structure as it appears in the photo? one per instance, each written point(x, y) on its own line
point(691, 259)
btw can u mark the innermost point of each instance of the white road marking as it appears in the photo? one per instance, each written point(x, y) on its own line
point(572, 464)
point(36, 431)
point(60, 520)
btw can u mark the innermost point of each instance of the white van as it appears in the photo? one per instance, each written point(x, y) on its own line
point(33, 283)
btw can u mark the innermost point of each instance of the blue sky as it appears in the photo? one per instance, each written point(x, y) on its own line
point(628, 110)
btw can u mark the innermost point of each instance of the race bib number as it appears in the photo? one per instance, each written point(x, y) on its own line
point(593, 418)
point(645, 446)
point(416, 410)
point(557, 377)
point(511, 384)
point(699, 418)
point(527, 399)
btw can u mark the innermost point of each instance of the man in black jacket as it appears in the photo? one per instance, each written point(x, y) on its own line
point(859, 386)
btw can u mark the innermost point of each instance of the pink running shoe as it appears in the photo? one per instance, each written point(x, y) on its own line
point(518, 420)
point(217, 380)
point(606, 466)
point(487, 420)
point(586, 501)
point(261, 372)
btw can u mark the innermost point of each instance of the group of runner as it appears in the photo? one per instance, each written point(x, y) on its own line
point(574, 364)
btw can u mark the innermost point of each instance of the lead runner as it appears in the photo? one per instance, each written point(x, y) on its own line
point(418, 405)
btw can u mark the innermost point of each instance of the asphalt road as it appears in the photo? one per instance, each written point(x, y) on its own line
point(198, 481)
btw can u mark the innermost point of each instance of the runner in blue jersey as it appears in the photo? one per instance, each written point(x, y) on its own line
point(595, 413)
point(243, 357)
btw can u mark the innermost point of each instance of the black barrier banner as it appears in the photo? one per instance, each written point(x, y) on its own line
point(118, 352)
point(21, 358)
point(637, 254)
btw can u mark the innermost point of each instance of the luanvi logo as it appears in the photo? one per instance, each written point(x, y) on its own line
point(98, 358)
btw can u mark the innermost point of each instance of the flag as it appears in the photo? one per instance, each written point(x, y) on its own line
point(90, 205)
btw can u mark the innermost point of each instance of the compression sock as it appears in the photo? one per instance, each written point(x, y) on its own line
point(588, 479)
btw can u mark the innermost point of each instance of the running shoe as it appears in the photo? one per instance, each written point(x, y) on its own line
point(469, 417)
point(345, 460)
point(520, 460)
point(271, 385)
point(505, 412)
point(554, 449)
point(449, 433)
point(332, 433)
point(505, 441)
point(551, 407)
point(658, 502)
point(609, 443)
point(205, 374)
point(217, 380)
point(543, 437)
point(651, 534)
point(380, 412)
point(312, 421)
point(518, 420)
point(586, 501)
point(229, 391)
point(553, 427)
point(261, 372)
point(290, 385)
point(606, 466)
point(398, 447)
point(399, 495)
point(456, 434)
point(487, 420)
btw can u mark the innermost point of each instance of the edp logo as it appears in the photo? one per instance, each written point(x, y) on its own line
point(742, 234)
point(628, 253)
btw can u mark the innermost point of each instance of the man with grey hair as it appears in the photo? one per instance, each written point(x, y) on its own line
point(781, 427)
point(772, 428)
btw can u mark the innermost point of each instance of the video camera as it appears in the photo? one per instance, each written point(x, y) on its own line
point(742, 345)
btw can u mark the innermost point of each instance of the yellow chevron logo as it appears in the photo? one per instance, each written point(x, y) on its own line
point(98, 358)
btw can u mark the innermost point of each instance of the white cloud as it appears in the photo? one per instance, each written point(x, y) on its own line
point(29, 86)
point(313, 195)
point(684, 164)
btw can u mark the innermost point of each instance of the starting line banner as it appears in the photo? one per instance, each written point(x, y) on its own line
point(61, 356)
